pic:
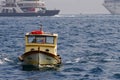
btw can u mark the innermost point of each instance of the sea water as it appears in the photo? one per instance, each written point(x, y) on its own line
point(88, 44)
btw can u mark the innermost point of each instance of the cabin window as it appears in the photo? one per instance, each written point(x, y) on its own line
point(41, 39)
point(31, 39)
point(50, 40)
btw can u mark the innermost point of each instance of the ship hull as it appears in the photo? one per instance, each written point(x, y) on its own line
point(46, 13)
point(39, 59)
point(113, 7)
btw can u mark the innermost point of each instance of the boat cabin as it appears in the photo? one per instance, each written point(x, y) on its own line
point(41, 42)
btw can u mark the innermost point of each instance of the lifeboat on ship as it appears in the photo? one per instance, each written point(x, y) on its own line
point(40, 50)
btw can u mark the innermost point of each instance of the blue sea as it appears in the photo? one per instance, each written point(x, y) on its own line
point(88, 44)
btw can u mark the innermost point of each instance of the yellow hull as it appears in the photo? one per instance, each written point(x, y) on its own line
point(40, 59)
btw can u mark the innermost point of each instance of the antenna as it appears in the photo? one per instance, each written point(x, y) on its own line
point(41, 27)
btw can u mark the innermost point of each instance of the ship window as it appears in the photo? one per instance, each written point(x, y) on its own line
point(41, 39)
point(36, 39)
point(50, 40)
point(31, 39)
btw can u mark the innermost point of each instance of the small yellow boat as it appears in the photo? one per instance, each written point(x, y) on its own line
point(40, 50)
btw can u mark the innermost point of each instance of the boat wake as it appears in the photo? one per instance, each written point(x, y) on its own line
point(7, 59)
point(66, 15)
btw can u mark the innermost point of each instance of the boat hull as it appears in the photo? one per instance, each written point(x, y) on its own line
point(46, 13)
point(40, 59)
point(112, 6)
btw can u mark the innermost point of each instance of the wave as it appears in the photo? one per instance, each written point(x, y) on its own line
point(8, 59)
point(66, 15)
point(76, 60)
point(117, 76)
point(5, 60)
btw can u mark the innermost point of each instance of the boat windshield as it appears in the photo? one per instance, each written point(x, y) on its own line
point(41, 39)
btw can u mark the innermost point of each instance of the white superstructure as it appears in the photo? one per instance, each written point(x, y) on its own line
point(22, 6)
point(31, 5)
point(25, 8)
point(113, 6)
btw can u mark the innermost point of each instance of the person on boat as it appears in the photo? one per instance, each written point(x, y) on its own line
point(38, 40)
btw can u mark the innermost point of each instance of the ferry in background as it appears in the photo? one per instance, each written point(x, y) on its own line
point(25, 8)
point(113, 6)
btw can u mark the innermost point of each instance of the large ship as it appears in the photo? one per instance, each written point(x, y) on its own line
point(113, 6)
point(25, 8)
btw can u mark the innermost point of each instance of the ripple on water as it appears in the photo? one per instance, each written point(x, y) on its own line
point(89, 46)
point(96, 70)
point(75, 69)
point(117, 76)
